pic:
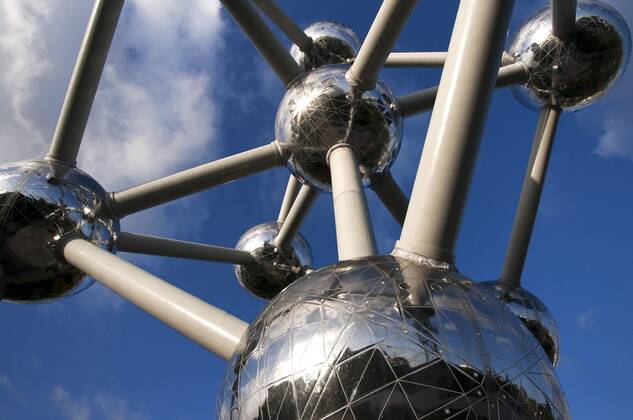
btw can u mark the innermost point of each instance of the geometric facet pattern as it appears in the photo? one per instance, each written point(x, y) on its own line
point(274, 267)
point(41, 201)
point(332, 43)
point(534, 314)
point(322, 109)
point(574, 72)
point(385, 338)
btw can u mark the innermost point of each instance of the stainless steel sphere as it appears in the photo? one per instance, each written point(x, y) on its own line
point(382, 337)
point(274, 267)
point(322, 109)
point(41, 201)
point(534, 314)
point(575, 72)
point(332, 43)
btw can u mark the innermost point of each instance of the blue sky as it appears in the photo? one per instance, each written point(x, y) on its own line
point(183, 86)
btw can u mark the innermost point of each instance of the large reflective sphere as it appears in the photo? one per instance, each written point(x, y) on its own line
point(534, 315)
point(574, 72)
point(332, 43)
point(274, 267)
point(41, 201)
point(385, 338)
point(322, 109)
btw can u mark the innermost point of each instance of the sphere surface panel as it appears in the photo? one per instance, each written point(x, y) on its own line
point(534, 314)
point(41, 201)
point(574, 72)
point(274, 268)
point(332, 43)
point(323, 109)
point(381, 337)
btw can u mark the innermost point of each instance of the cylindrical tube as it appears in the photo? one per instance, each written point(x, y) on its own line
point(299, 210)
point(211, 327)
point(415, 59)
point(287, 25)
point(452, 142)
point(563, 18)
point(153, 245)
point(354, 232)
point(389, 192)
point(193, 180)
point(84, 81)
point(384, 31)
point(292, 189)
point(530, 197)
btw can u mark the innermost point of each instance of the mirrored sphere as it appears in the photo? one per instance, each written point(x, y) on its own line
point(274, 267)
point(332, 43)
point(534, 314)
point(41, 201)
point(382, 337)
point(574, 72)
point(322, 109)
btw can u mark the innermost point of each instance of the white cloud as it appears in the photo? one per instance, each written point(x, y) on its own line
point(69, 407)
point(99, 406)
point(587, 319)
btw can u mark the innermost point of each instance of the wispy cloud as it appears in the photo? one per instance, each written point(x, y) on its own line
point(99, 406)
point(587, 319)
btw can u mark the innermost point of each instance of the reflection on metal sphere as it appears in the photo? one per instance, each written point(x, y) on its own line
point(574, 72)
point(322, 109)
point(41, 201)
point(381, 336)
point(274, 267)
point(332, 43)
point(534, 315)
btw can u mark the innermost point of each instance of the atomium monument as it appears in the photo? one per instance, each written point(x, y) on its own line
point(404, 335)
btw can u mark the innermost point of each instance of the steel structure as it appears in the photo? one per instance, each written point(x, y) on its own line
point(402, 335)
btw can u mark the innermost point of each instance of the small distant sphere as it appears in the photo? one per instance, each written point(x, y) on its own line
point(534, 314)
point(322, 109)
point(382, 335)
point(575, 72)
point(274, 268)
point(332, 43)
point(41, 201)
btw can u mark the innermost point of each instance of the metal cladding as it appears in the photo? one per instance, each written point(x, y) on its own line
point(41, 201)
point(274, 267)
point(573, 72)
point(332, 43)
point(382, 337)
point(534, 314)
point(322, 109)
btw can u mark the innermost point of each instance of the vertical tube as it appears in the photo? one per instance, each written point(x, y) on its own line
point(300, 207)
point(389, 192)
point(84, 81)
point(354, 233)
point(530, 197)
point(384, 31)
point(292, 189)
point(211, 327)
point(563, 18)
point(283, 21)
point(452, 142)
point(263, 39)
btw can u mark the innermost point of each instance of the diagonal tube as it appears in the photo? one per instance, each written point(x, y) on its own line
point(299, 210)
point(354, 232)
point(263, 39)
point(190, 181)
point(452, 142)
point(207, 325)
point(389, 192)
point(423, 100)
point(563, 18)
point(84, 81)
point(530, 197)
point(384, 31)
point(153, 245)
point(292, 189)
point(287, 25)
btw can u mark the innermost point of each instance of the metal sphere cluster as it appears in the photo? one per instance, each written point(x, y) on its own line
point(40, 202)
point(534, 314)
point(332, 43)
point(385, 337)
point(274, 268)
point(322, 109)
point(574, 72)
